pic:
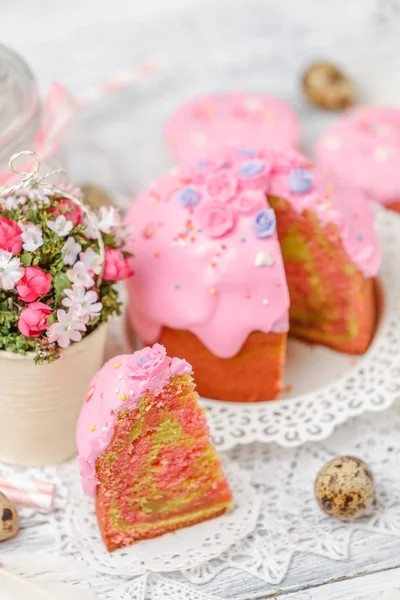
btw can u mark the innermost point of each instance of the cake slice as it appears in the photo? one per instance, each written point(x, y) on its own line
point(144, 449)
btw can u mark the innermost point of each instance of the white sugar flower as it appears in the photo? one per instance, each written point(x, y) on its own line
point(91, 260)
point(67, 329)
point(80, 276)
point(83, 304)
point(32, 237)
point(108, 219)
point(10, 270)
point(71, 250)
point(61, 226)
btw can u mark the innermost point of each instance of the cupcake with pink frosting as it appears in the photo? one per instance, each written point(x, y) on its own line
point(362, 149)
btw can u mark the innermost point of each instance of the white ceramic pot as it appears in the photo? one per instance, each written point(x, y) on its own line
point(40, 404)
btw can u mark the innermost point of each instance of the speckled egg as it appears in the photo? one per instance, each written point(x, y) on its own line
point(344, 488)
point(9, 520)
point(95, 196)
point(328, 87)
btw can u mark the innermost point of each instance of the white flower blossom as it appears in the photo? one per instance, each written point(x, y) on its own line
point(71, 250)
point(122, 233)
point(61, 225)
point(108, 219)
point(32, 237)
point(13, 202)
point(36, 195)
point(90, 231)
point(83, 304)
point(67, 329)
point(10, 270)
point(91, 260)
point(80, 276)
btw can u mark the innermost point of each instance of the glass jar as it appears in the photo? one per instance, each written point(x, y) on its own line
point(25, 119)
point(20, 106)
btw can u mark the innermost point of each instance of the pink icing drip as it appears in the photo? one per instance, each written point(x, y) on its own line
point(362, 148)
point(129, 380)
point(208, 281)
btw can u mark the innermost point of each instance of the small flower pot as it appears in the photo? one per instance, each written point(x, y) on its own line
point(40, 404)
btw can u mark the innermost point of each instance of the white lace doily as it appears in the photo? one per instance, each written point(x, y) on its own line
point(326, 388)
point(150, 587)
point(183, 549)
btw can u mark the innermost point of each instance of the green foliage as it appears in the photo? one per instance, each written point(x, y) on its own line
point(49, 257)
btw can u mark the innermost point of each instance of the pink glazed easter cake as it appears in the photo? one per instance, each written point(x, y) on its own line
point(231, 256)
point(210, 124)
point(362, 148)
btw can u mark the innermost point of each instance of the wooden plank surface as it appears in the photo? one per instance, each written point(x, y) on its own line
point(376, 586)
point(370, 554)
point(309, 575)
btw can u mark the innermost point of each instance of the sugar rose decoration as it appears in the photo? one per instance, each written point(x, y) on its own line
point(221, 185)
point(264, 223)
point(215, 218)
point(252, 169)
point(250, 201)
point(149, 362)
point(54, 286)
point(300, 181)
point(189, 196)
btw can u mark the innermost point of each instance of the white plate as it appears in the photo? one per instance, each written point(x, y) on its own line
point(183, 549)
point(324, 387)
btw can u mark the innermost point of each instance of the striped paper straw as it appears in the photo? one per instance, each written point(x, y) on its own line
point(28, 492)
point(118, 82)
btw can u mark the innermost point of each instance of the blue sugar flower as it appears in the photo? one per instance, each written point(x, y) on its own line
point(189, 196)
point(251, 168)
point(300, 181)
point(264, 224)
point(246, 152)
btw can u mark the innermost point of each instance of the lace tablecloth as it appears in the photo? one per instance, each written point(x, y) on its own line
point(290, 524)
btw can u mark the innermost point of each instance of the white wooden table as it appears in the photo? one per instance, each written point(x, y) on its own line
point(209, 44)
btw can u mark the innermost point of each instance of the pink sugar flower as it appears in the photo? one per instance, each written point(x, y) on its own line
point(250, 201)
point(148, 362)
point(221, 185)
point(215, 218)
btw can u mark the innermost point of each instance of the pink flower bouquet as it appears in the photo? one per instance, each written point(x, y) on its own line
point(56, 286)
